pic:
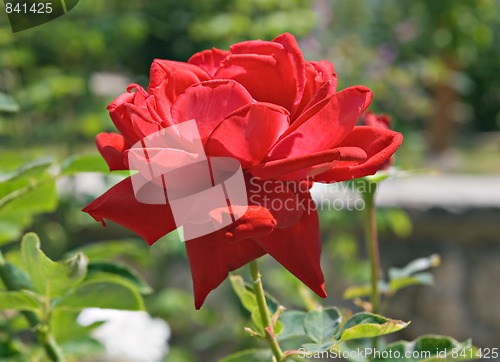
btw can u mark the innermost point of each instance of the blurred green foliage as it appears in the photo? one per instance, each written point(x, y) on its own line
point(401, 50)
point(51, 69)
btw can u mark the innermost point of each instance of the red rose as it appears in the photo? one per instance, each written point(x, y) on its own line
point(378, 120)
point(282, 118)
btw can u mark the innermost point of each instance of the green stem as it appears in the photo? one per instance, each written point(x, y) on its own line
point(264, 311)
point(372, 246)
point(51, 347)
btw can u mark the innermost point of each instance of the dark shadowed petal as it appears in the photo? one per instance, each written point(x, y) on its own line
point(111, 146)
point(308, 166)
point(379, 145)
point(209, 103)
point(213, 256)
point(209, 60)
point(119, 205)
point(248, 133)
point(324, 125)
point(298, 248)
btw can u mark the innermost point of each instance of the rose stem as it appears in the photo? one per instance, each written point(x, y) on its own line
point(372, 242)
point(258, 289)
point(372, 245)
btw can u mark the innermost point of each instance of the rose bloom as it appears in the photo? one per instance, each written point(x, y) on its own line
point(282, 118)
point(378, 120)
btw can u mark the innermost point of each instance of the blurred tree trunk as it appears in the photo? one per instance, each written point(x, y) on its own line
point(441, 127)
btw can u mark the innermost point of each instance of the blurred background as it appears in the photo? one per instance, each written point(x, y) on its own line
point(434, 66)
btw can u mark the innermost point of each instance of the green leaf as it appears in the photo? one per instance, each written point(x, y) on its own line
point(366, 325)
point(114, 293)
point(357, 291)
point(250, 355)
point(322, 325)
point(378, 177)
point(17, 278)
point(429, 348)
point(109, 250)
point(364, 290)
point(9, 231)
point(84, 163)
point(417, 279)
point(34, 198)
point(27, 190)
point(122, 271)
point(64, 328)
point(22, 300)
point(249, 302)
point(317, 347)
point(24, 191)
point(31, 169)
point(247, 297)
point(293, 324)
point(50, 278)
point(83, 348)
point(415, 266)
point(257, 321)
point(7, 103)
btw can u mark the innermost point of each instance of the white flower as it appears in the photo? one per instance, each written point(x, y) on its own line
point(128, 335)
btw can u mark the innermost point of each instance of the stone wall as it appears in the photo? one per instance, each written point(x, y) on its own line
point(465, 300)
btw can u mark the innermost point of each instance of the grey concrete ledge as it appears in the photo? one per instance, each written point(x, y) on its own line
point(451, 192)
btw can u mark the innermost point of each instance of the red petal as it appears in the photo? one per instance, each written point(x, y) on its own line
point(209, 103)
point(119, 204)
point(280, 198)
point(168, 79)
point(298, 64)
point(257, 221)
point(119, 113)
point(303, 167)
point(298, 248)
point(213, 256)
point(159, 110)
point(209, 60)
point(324, 125)
point(141, 120)
point(111, 146)
point(376, 120)
point(176, 75)
point(248, 133)
point(379, 145)
point(271, 71)
point(318, 74)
